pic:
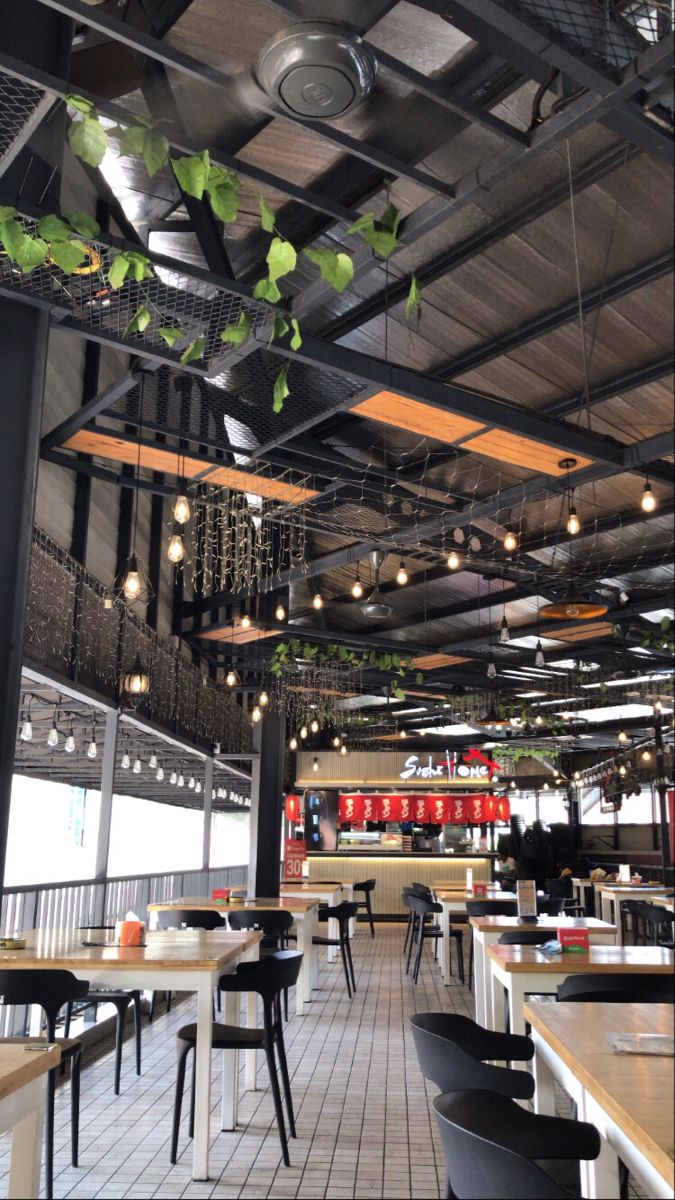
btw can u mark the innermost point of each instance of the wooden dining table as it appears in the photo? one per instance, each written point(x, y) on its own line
point(453, 902)
point(611, 895)
point(488, 930)
point(182, 961)
point(303, 910)
point(23, 1100)
point(628, 1097)
point(518, 971)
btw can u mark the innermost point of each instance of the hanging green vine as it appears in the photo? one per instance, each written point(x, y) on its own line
point(396, 665)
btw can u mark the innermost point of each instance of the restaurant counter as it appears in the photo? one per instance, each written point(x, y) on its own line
point(393, 871)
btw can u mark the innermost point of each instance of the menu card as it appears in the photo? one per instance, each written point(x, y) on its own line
point(526, 891)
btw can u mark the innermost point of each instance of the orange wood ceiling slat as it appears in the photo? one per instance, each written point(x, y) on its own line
point(236, 634)
point(581, 633)
point(429, 662)
point(391, 409)
point(520, 451)
point(154, 458)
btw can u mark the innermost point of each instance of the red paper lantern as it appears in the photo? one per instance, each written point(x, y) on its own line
point(489, 808)
point(503, 808)
point(292, 808)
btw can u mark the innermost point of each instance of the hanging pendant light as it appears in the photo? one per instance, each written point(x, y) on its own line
point(336, 742)
point(181, 511)
point(191, 781)
point(256, 714)
point(573, 523)
point(136, 683)
point(343, 748)
point(160, 774)
point(303, 732)
point(136, 769)
point(648, 502)
point(263, 699)
point(539, 660)
point(280, 613)
point(232, 678)
point(293, 744)
point(573, 605)
point(174, 777)
point(491, 669)
point(402, 574)
point(504, 633)
point(315, 765)
point(198, 786)
point(92, 748)
point(246, 621)
point(125, 762)
point(152, 761)
point(510, 539)
point(132, 584)
point(454, 561)
point(180, 782)
point(26, 734)
point(53, 735)
point(176, 549)
point(317, 601)
point(357, 586)
point(314, 725)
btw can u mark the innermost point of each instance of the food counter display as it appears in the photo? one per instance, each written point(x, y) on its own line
point(393, 871)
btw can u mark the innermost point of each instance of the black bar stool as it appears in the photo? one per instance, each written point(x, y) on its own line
point(367, 886)
point(343, 914)
point(51, 990)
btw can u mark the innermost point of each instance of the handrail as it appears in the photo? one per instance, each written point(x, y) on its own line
point(62, 883)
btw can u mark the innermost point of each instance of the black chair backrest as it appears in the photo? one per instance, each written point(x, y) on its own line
point(630, 988)
point(655, 916)
point(490, 1143)
point(268, 977)
point(271, 921)
point(193, 918)
point(526, 937)
point(449, 1054)
point(551, 907)
point(422, 906)
point(366, 885)
point(490, 908)
point(48, 989)
point(559, 888)
point(343, 913)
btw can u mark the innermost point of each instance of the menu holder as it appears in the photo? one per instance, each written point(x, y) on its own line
point(480, 889)
point(526, 893)
point(574, 940)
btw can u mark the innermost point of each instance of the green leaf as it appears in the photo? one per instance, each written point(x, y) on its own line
point(31, 253)
point(296, 340)
point(68, 255)
point(139, 321)
point(53, 229)
point(140, 266)
point(398, 693)
point(118, 272)
point(413, 304)
point(192, 173)
point(281, 258)
point(382, 234)
point(170, 334)
point(79, 103)
point(88, 140)
point(6, 211)
point(12, 235)
point(266, 289)
point(267, 216)
point(225, 200)
point(665, 624)
point(155, 152)
point(279, 328)
point(193, 351)
point(367, 221)
point(237, 334)
point(390, 219)
point(84, 224)
point(281, 393)
point(383, 241)
point(419, 677)
point(336, 269)
point(132, 141)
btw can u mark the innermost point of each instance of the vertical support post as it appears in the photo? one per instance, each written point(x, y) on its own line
point(666, 860)
point(107, 788)
point(267, 782)
point(208, 808)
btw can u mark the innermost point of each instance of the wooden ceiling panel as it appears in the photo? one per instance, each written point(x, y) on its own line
point(431, 662)
point(391, 409)
point(521, 451)
point(154, 458)
point(581, 633)
point(237, 635)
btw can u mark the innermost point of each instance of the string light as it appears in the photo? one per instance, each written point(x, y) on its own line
point(246, 621)
point(181, 780)
point(126, 761)
point(315, 765)
point(152, 761)
point(53, 736)
point(191, 781)
point(160, 774)
point(232, 678)
point(181, 510)
point(174, 777)
point(69, 745)
point(402, 734)
point(539, 660)
point(539, 720)
point(510, 539)
point(622, 737)
point(92, 748)
point(491, 670)
point(136, 769)
point(176, 549)
point(504, 631)
point(402, 574)
point(357, 587)
point(314, 725)
point(293, 744)
point(280, 613)
point(343, 748)
point(454, 561)
point(622, 770)
point(303, 732)
point(263, 699)
point(198, 787)
point(256, 714)
point(646, 756)
point(648, 501)
point(26, 734)
point(317, 601)
point(336, 742)
point(131, 584)
point(573, 523)
point(658, 706)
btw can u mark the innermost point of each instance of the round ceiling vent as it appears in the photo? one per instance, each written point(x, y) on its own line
point(315, 69)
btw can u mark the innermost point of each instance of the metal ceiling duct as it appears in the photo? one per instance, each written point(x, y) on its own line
point(317, 69)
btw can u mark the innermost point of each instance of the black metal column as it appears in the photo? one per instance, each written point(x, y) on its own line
point(36, 35)
point(267, 805)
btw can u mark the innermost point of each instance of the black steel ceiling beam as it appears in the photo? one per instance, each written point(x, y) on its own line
point(629, 381)
point(592, 529)
point(87, 412)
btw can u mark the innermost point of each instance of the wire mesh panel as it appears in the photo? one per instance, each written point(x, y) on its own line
point(18, 104)
point(610, 32)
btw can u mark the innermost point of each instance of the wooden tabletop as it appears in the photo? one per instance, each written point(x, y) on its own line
point(287, 904)
point(309, 885)
point(19, 1066)
point(600, 959)
point(491, 898)
point(176, 950)
point(635, 1090)
point(507, 924)
point(621, 888)
point(459, 885)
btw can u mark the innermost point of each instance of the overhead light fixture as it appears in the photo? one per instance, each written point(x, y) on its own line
point(573, 523)
point(160, 774)
point(648, 501)
point(357, 586)
point(256, 714)
point(504, 634)
point(375, 605)
point(53, 737)
point(136, 682)
point(491, 669)
point(152, 761)
point(176, 549)
point(280, 613)
point(622, 737)
point(303, 732)
point(314, 725)
point(173, 777)
point(315, 765)
point(293, 744)
point(336, 742)
point(181, 511)
point(180, 782)
point(232, 678)
point(263, 699)
point(137, 766)
point(510, 540)
point(402, 574)
point(573, 605)
point(491, 719)
point(317, 601)
point(539, 660)
point(191, 781)
point(246, 621)
point(646, 756)
point(92, 748)
point(131, 583)
point(125, 762)
point(454, 561)
point(343, 748)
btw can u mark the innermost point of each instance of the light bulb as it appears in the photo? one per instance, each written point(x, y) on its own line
point(546, 788)
point(246, 621)
point(263, 699)
point(137, 766)
point(357, 588)
point(539, 660)
point(53, 737)
point(160, 774)
point(152, 761)
point(256, 714)
point(577, 775)
point(510, 540)
point(92, 749)
point(504, 631)
point(303, 732)
point(622, 737)
point(491, 670)
point(646, 756)
point(181, 780)
point(539, 720)
point(108, 603)
point(343, 748)
point(26, 734)
point(198, 786)
point(280, 613)
point(231, 679)
point(132, 585)
point(336, 742)
point(69, 746)
point(126, 761)
point(402, 574)
point(658, 706)
point(573, 522)
point(191, 781)
point(315, 766)
point(181, 510)
point(454, 560)
point(293, 744)
point(174, 777)
point(314, 726)
point(176, 549)
point(513, 783)
point(402, 734)
point(317, 601)
point(622, 770)
point(648, 499)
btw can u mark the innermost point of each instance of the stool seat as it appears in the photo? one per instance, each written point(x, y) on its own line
point(367, 886)
point(226, 1037)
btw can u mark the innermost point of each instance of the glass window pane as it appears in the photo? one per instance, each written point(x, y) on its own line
point(230, 839)
point(52, 835)
point(150, 838)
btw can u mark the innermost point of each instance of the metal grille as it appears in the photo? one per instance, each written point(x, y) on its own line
point(18, 104)
point(610, 32)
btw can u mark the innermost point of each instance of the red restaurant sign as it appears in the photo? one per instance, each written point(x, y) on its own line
point(479, 809)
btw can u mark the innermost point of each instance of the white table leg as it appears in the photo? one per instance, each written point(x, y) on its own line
point(516, 999)
point(311, 929)
point(26, 1154)
point(599, 1176)
point(303, 923)
point(445, 943)
point(251, 1056)
point(228, 1118)
point(479, 957)
point(544, 1079)
point(200, 1149)
point(498, 1006)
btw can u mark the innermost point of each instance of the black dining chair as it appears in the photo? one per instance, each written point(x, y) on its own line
point(525, 937)
point(486, 908)
point(658, 924)
point(623, 988)
point(268, 977)
point(51, 990)
point(631, 923)
point(184, 918)
point(367, 886)
point(455, 1053)
point(423, 929)
point(550, 906)
point(275, 926)
point(342, 913)
point(496, 1150)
